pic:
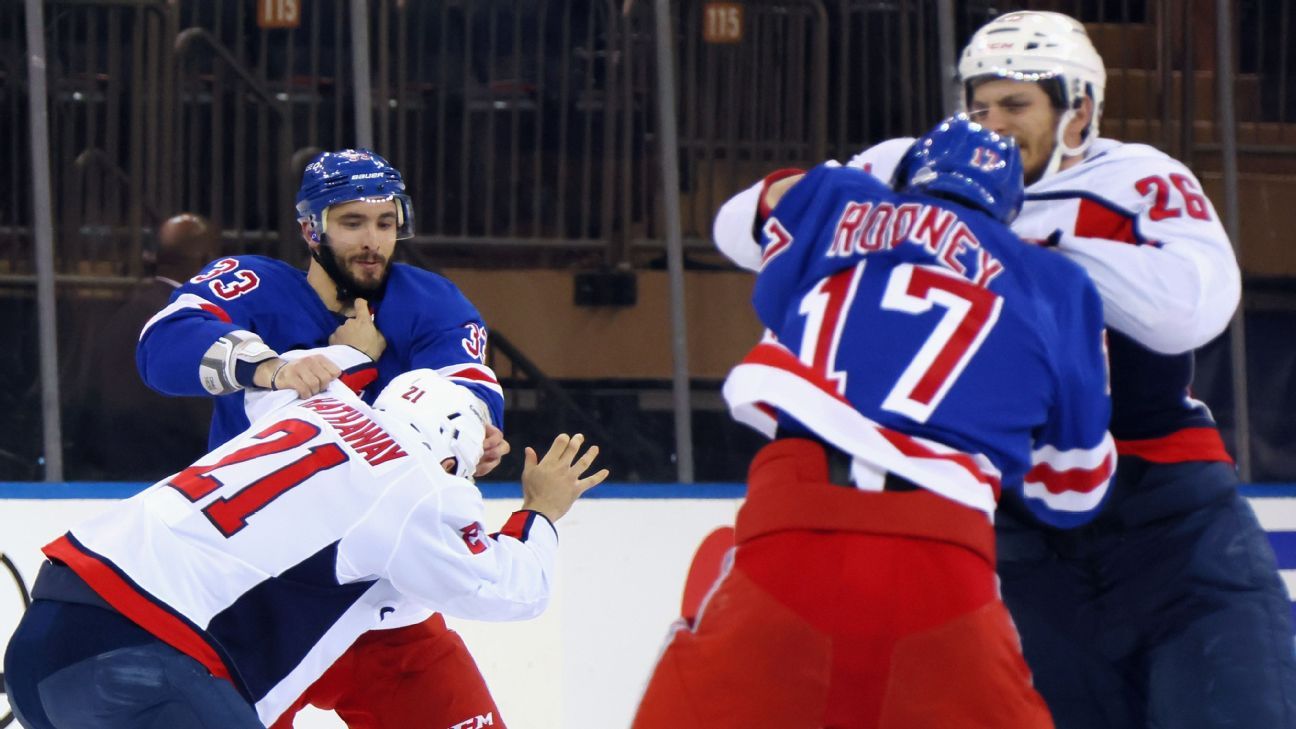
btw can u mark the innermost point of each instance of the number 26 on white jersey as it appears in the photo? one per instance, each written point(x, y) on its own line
point(970, 312)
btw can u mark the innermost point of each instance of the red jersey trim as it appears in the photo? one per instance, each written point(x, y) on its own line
point(1078, 480)
point(779, 357)
point(216, 311)
point(135, 604)
point(763, 210)
point(518, 525)
point(1189, 444)
point(473, 373)
point(1095, 220)
point(359, 378)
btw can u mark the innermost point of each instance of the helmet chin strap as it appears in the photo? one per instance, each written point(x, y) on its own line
point(1060, 148)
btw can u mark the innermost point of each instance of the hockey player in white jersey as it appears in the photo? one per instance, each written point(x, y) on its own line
point(215, 597)
point(1168, 610)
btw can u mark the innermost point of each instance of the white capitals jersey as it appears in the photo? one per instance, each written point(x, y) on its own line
point(271, 555)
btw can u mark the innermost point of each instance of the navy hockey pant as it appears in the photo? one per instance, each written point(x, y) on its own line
point(1166, 613)
point(72, 666)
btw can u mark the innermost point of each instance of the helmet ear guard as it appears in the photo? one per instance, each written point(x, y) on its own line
point(1037, 47)
point(346, 176)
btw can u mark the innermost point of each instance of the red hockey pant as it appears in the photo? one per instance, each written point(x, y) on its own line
point(417, 677)
point(847, 610)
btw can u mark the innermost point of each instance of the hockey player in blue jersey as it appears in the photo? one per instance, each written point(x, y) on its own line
point(221, 334)
point(921, 359)
point(1168, 610)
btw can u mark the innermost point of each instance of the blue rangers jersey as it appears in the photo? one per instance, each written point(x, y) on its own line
point(924, 339)
point(427, 322)
point(1139, 223)
point(201, 560)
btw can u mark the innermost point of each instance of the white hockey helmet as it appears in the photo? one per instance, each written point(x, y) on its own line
point(446, 416)
point(1040, 47)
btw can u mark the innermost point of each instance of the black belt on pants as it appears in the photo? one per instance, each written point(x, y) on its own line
point(839, 466)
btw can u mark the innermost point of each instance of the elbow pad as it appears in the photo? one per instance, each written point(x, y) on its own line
point(229, 363)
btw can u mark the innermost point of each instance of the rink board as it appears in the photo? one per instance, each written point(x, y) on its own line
point(624, 556)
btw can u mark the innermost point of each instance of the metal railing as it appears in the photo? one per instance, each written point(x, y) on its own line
point(532, 124)
point(530, 129)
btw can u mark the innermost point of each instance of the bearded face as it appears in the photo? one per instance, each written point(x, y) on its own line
point(360, 240)
point(360, 275)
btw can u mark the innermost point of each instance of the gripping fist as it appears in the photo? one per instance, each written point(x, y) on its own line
point(360, 332)
point(307, 376)
point(494, 448)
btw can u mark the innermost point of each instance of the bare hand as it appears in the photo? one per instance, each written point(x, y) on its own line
point(360, 332)
point(307, 376)
point(494, 448)
point(552, 484)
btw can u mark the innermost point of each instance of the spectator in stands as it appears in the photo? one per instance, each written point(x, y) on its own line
point(108, 436)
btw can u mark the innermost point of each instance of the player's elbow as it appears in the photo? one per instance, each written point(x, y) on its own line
point(155, 372)
point(732, 228)
point(488, 605)
point(1173, 332)
point(1181, 318)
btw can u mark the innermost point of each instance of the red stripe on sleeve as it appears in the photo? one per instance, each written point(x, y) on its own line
point(473, 373)
point(216, 311)
point(518, 525)
point(1078, 480)
point(140, 608)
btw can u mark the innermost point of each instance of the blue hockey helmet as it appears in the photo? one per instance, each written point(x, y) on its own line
point(347, 175)
point(964, 161)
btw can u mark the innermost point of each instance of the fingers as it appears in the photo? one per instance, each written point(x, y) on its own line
point(558, 446)
point(361, 332)
point(529, 458)
point(494, 448)
point(563, 452)
point(554, 483)
point(573, 447)
point(485, 465)
point(586, 460)
point(589, 482)
point(307, 376)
